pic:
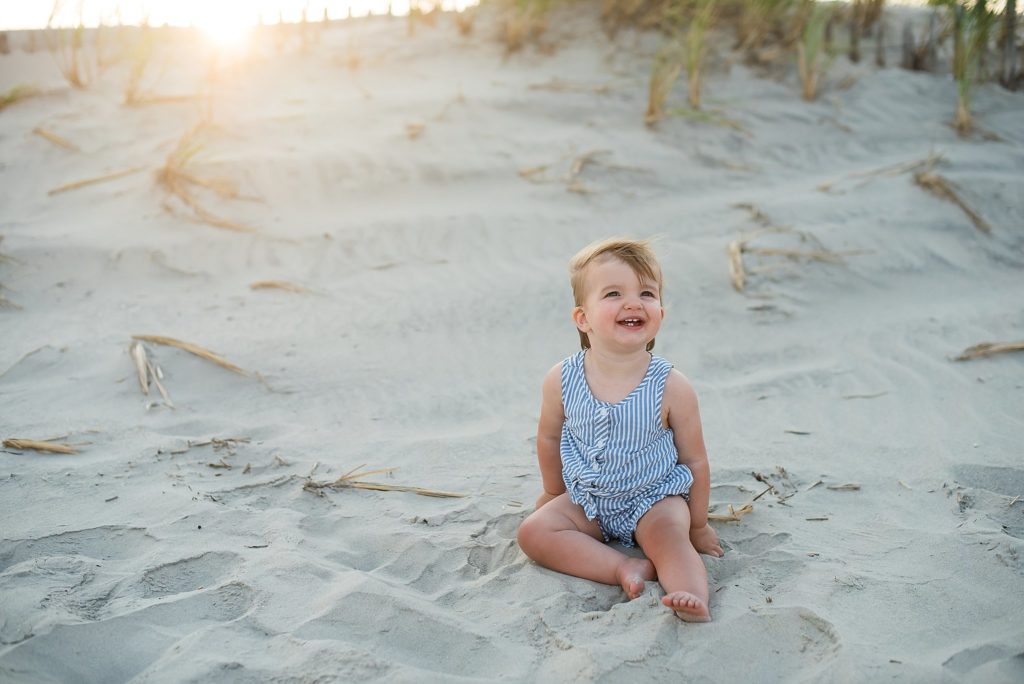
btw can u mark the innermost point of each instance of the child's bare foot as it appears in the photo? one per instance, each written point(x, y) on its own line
point(687, 606)
point(632, 573)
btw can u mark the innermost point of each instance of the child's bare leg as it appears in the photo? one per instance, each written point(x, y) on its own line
point(664, 535)
point(559, 536)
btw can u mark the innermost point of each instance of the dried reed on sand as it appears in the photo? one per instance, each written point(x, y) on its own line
point(734, 515)
point(924, 164)
point(278, 285)
point(55, 139)
point(942, 188)
point(984, 349)
point(75, 185)
point(146, 371)
point(39, 445)
point(201, 352)
point(349, 481)
point(737, 248)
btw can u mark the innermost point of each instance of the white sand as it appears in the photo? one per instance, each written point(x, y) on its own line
point(439, 298)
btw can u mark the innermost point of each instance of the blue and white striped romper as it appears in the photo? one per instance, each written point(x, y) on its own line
point(618, 460)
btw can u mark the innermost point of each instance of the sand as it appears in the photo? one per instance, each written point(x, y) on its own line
point(381, 172)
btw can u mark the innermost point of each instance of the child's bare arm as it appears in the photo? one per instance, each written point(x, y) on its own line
point(549, 436)
point(683, 416)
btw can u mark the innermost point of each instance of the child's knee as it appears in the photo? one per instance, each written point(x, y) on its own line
point(529, 532)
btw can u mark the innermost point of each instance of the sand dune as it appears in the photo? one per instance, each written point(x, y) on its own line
point(428, 201)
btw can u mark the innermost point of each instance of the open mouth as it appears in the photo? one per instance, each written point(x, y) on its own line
point(631, 322)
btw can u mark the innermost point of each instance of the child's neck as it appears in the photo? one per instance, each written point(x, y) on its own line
point(613, 376)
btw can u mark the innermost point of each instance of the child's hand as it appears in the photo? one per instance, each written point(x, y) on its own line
point(705, 540)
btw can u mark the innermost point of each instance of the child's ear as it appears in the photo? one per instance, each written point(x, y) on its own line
point(579, 317)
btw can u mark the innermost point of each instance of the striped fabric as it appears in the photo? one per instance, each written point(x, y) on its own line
point(618, 460)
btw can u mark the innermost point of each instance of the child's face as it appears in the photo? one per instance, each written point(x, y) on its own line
point(619, 311)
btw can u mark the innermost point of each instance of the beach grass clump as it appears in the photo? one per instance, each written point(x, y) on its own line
point(642, 14)
point(762, 26)
point(525, 21)
point(140, 55)
point(418, 15)
point(665, 70)
point(67, 48)
point(696, 46)
point(1009, 73)
point(685, 24)
point(971, 23)
point(812, 58)
point(465, 20)
point(180, 178)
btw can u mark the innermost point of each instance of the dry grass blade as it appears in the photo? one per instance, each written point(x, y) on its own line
point(155, 374)
point(193, 349)
point(830, 257)
point(278, 285)
point(38, 445)
point(924, 164)
point(733, 515)
point(557, 85)
point(349, 481)
point(143, 100)
point(211, 219)
point(736, 272)
point(942, 188)
point(984, 349)
point(138, 354)
point(582, 161)
point(55, 139)
point(529, 173)
point(849, 487)
point(97, 179)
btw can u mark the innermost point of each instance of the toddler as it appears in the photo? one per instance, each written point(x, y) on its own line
point(619, 443)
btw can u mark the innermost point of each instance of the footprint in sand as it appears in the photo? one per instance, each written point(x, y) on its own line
point(188, 574)
point(982, 482)
point(110, 542)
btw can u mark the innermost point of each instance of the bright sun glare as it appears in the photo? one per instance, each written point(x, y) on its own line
point(222, 23)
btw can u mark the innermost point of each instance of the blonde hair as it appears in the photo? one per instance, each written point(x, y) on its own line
point(637, 254)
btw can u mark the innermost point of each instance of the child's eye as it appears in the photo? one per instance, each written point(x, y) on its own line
point(612, 293)
point(647, 293)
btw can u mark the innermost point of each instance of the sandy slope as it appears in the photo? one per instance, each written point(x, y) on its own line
point(439, 298)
